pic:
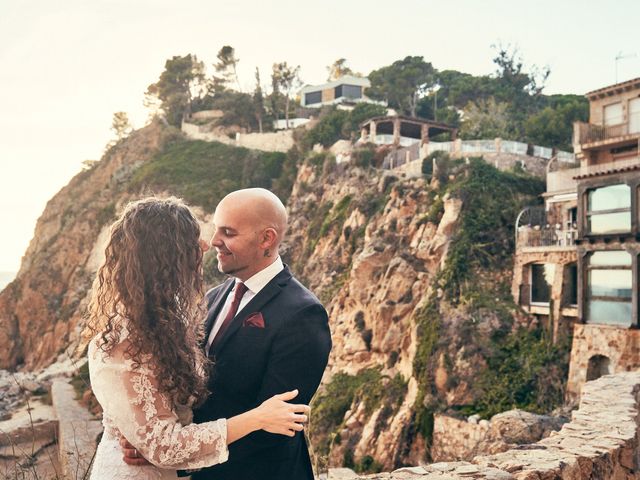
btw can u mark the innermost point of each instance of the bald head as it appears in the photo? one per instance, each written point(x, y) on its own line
point(249, 226)
point(263, 207)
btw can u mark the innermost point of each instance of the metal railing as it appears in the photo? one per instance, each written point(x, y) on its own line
point(589, 133)
point(550, 236)
point(532, 230)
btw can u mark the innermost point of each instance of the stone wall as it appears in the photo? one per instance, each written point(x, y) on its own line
point(267, 142)
point(563, 315)
point(455, 439)
point(618, 349)
point(600, 442)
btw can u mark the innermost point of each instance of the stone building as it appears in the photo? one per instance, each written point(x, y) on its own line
point(608, 185)
point(576, 264)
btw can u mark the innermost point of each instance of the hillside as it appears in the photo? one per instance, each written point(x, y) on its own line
point(415, 275)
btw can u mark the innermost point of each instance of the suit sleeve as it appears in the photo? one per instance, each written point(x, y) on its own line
point(299, 356)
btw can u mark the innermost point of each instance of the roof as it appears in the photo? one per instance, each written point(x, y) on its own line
point(614, 89)
point(344, 80)
point(418, 120)
point(601, 173)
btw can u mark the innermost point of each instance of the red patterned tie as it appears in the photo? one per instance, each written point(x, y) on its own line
point(241, 289)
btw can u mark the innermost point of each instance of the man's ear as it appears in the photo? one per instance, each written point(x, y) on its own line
point(268, 238)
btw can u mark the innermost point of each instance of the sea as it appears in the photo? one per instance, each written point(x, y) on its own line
point(5, 278)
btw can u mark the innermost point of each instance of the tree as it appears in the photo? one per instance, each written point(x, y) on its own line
point(120, 125)
point(553, 125)
point(258, 101)
point(338, 69)
point(286, 77)
point(485, 119)
point(181, 81)
point(402, 83)
point(227, 67)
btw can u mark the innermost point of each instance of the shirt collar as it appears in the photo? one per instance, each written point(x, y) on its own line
point(258, 281)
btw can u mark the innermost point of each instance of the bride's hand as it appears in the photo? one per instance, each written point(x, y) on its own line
point(278, 416)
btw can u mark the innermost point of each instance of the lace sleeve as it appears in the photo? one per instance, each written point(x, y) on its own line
point(144, 416)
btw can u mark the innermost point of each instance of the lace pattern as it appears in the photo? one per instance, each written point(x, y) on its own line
point(134, 408)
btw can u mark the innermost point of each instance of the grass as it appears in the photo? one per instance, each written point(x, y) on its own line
point(204, 172)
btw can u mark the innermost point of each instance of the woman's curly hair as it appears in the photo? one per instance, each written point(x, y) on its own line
point(151, 280)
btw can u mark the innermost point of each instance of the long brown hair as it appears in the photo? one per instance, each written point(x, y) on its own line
point(151, 280)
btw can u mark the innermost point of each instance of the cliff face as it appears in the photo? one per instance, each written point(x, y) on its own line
point(40, 311)
point(411, 334)
point(402, 265)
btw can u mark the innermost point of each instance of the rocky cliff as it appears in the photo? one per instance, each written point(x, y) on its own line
point(415, 274)
point(40, 314)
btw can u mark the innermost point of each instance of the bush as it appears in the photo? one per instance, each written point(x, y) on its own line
point(204, 172)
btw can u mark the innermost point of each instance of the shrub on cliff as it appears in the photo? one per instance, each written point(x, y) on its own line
point(204, 172)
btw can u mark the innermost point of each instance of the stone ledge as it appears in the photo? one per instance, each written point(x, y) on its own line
point(78, 431)
point(600, 442)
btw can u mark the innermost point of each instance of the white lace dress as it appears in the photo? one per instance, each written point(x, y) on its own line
point(134, 408)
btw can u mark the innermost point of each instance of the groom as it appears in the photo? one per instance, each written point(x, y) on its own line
point(266, 334)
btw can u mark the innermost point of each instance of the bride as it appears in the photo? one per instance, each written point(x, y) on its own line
point(146, 363)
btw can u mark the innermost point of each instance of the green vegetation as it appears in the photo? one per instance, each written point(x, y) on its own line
point(204, 172)
point(484, 240)
point(81, 381)
point(523, 369)
point(338, 124)
point(343, 392)
point(106, 214)
point(337, 216)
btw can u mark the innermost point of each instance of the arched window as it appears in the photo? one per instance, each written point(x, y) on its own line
point(598, 366)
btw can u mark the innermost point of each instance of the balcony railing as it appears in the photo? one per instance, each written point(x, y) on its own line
point(590, 133)
point(548, 236)
point(532, 230)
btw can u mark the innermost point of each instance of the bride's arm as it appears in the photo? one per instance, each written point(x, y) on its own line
point(145, 417)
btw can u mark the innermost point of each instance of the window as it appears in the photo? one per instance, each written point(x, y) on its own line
point(570, 285)
point(541, 281)
point(609, 210)
point(348, 91)
point(312, 97)
point(613, 114)
point(609, 286)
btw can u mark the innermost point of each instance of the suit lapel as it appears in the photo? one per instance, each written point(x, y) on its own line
point(263, 297)
point(216, 305)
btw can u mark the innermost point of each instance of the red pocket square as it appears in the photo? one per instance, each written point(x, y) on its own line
point(254, 320)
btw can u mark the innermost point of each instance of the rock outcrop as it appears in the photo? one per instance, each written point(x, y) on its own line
point(41, 310)
point(600, 442)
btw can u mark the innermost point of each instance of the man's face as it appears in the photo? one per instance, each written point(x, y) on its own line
point(235, 239)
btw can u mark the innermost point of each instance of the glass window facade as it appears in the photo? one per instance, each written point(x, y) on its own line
point(609, 288)
point(609, 210)
point(541, 281)
point(313, 97)
point(348, 91)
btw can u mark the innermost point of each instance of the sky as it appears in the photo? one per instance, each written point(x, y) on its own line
point(67, 65)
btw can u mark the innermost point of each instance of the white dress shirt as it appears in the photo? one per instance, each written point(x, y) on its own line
point(254, 284)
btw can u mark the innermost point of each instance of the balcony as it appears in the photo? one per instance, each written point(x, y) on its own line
point(589, 135)
point(533, 232)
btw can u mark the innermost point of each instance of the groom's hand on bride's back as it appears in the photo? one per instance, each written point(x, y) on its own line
point(131, 456)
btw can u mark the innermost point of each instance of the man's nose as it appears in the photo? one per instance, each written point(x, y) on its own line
point(215, 241)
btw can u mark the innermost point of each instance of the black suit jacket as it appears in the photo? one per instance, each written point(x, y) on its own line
point(252, 364)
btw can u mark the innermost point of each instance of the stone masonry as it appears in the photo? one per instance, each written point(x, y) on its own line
point(600, 442)
point(618, 347)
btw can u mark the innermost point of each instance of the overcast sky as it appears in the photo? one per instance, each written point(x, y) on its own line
point(66, 66)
